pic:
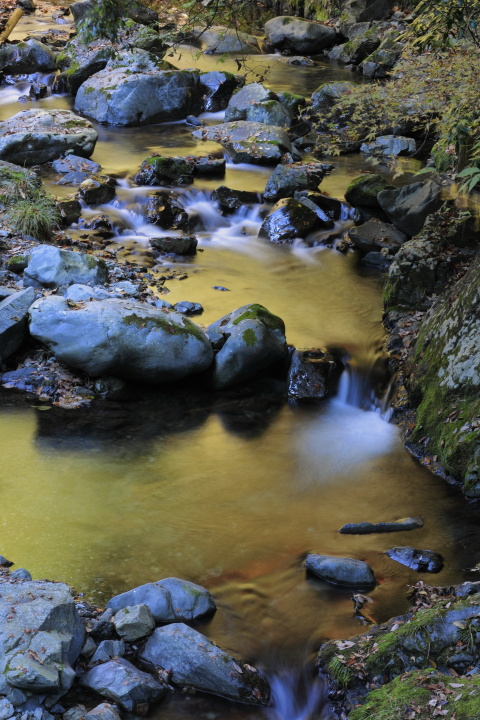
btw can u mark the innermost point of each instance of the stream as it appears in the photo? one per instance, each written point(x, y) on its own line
point(232, 491)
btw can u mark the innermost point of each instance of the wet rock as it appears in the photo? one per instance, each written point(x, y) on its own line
point(97, 189)
point(13, 322)
point(51, 267)
point(73, 178)
point(107, 650)
point(159, 170)
point(78, 62)
point(39, 661)
point(188, 308)
point(169, 600)
point(125, 338)
point(217, 89)
point(123, 683)
point(161, 210)
point(331, 208)
point(313, 374)
point(302, 37)
point(194, 661)
point(219, 39)
point(390, 145)
point(419, 560)
point(102, 712)
point(287, 179)
point(269, 112)
point(408, 207)
point(376, 235)
point(241, 101)
point(133, 90)
point(341, 571)
point(75, 163)
point(287, 220)
point(101, 225)
point(28, 56)
point(70, 210)
point(186, 245)
point(20, 574)
point(248, 142)
point(133, 9)
point(328, 94)
point(254, 340)
point(367, 528)
point(4, 562)
point(208, 167)
point(134, 622)
point(38, 90)
point(364, 190)
point(37, 136)
point(230, 200)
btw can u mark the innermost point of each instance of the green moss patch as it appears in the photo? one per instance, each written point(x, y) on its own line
point(259, 312)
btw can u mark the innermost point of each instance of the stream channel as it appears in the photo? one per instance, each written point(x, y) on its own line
point(231, 493)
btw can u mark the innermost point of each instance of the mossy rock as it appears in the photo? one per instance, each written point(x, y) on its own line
point(364, 190)
point(18, 263)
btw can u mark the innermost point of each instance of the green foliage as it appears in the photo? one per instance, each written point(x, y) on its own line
point(443, 22)
point(103, 21)
point(28, 209)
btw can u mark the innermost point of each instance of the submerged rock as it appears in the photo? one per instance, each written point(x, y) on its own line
point(123, 683)
point(169, 600)
point(313, 374)
point(253, 339)
point(303, 37)
point(51, 267)
point(419, 560)
point(367, 528)
point(14, 321)
point(37, 136)
point(194, 661)
point(248, 142)
point(341, 571)
point(125, 338)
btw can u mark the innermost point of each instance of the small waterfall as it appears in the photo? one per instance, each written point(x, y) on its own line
point(298, 696)
point(366, 386)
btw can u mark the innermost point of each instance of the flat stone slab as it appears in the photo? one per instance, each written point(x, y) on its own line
point(367, 528)
point(347, 572)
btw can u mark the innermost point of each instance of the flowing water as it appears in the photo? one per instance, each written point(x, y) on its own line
point(232, 490)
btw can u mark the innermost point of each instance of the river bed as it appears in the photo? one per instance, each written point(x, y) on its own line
point(230, 491)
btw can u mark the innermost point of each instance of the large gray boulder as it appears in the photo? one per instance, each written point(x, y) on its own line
point(269, 112)
point(358, 11)
point(328, 94)
point(13, 321)
point(241, 101)
point(288, 219)
point(41, 636)
point(302, 37)
point(292, 177)
point(408, 207)
point(132, 9)
point(341, 571)
point(169, 600)
point(120, 681)
point(253, 339)
point(26, 57)
point(390, 145)
point(124, 338)
point(134, 90)
point(248, 142)
point(193, 661)
point(374, 235)
point(220, 39)
point(37, 136)
point(51, 267)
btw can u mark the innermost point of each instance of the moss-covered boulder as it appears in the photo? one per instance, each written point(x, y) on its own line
point(249, 142)
point(363, 190)
point(328, 94)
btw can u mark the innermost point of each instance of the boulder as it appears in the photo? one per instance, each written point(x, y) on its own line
point(77, 62)
point(188, 308)
point(169, 600)
point(13, 321)
point(390, 145)
point(123, 683)
point(107, 650)
point(132, 9)
point(33, 137)
point(162, 211)
point(123, 338)
point(102, 712)
point(364, 190)
point(51, 267)
point(269, 112)
point(219, 39)
point(240, 102)
point(347, 572)
point(288, 219)
point(408, 207)
point(302, 37)
point(97, 189)
point(361, 11)
point(193, 661)
point(26, 57)
point(253, 338)
point(328, 94)
point(186, 245)
point(40, 661)
point(73, 178)
point(230, 200)
point(367, 528)
point(248, 142)
point(313, 374)
point(70, 210)
point(292, 177)
point(330, 207)
point(133, 90)
point(217, 89)
point(356, 49)
point(134, 622)
point(165, 170)
point(419, 560)
point(375, 235)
